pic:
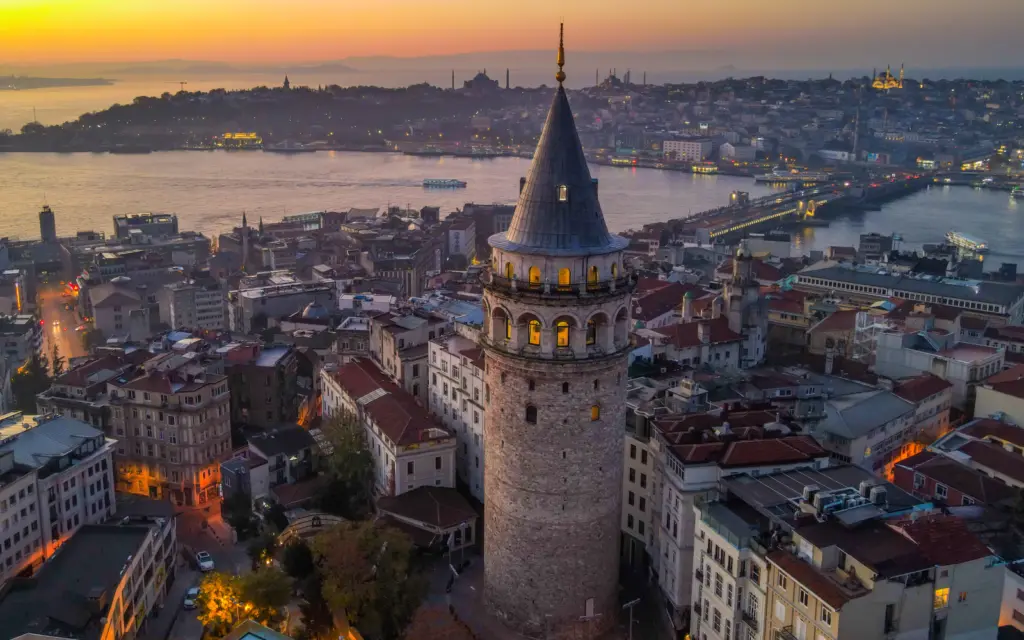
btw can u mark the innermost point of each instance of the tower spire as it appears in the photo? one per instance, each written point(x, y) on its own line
point(560, 76)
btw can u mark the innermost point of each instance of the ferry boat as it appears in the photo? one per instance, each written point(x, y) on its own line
point(781, 175)
point(443, 183)
point(964, 241)
point(1017, 192)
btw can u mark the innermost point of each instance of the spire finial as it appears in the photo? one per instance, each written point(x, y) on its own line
point(560, 76)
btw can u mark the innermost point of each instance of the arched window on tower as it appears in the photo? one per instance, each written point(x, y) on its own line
point(535, 332)
point(595, 413)
point(591, 332)
point(508, 328)
point(564, 279)
point(510, 271)
point(615, 270)
point(534, 277)
point(531, 414)
point(592, 276)
point(562, 333)
point(563, 193)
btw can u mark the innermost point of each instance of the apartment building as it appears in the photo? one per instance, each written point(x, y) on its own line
point(694, 150)
point(965, 365)
point(457, 398)
point(933, 397)
point(104, 583)
point(992, 447)
point(837, 553)
point(194, 304)
point(172, 421)
point(22, 337)
point(263, 380)
point(1002, 395)
point(81, 392)
point(398, 344)
point(119, 310)
point(410, 447)
point(865, 426)
point(274, 294)
point(60, 475)
point(150, 224)
point(698, 461)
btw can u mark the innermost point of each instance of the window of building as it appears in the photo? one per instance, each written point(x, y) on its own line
point(631, 498)
point(532, 385)
point(534, 277)
point(718, 584)
point(531, 414)
point(640, 527)
point(595, 413)
point(941, 491)
point(563, 193)
point(643, 457)
point(562, 333)
point(565, 387)
point(629, 521)
point(782, 580)
point(716, 621)
point(437, 462)
point(826, 615)
point(643, 480)
point(643, 504)
point(508, 329)
point(592, 276)
point(534, 332)
point(802, 597)
point(632, 451)
point(409, 466)
point(632, 475)
point(962, 597)
point(510, 271)
point(591, 332)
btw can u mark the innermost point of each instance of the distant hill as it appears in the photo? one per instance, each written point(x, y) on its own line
point(20, 83)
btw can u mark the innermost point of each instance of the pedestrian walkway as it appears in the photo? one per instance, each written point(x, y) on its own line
point(159, 625)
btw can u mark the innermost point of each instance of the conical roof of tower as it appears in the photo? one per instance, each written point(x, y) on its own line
point(549, 219)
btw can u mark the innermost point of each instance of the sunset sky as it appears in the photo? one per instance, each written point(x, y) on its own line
point(936, 32)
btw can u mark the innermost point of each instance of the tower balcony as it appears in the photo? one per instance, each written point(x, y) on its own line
point(518, 288)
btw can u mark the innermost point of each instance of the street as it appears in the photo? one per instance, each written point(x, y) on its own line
point(52, 309)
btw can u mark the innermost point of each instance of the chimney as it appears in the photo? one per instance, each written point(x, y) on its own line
point(703, 332)
point(522, 183)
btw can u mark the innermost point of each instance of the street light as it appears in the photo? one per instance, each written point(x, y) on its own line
point(629, 605)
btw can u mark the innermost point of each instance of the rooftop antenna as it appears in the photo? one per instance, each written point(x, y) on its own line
point(34, 118)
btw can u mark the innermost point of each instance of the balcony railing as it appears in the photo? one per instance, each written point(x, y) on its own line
point(548, 289)
point(749, 620)
point(785, 633)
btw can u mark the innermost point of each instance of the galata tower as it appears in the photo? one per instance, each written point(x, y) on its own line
point(557, 303)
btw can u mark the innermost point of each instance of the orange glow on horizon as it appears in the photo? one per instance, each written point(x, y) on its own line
point(48, 31)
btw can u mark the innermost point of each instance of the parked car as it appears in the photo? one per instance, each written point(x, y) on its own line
point(205, 561)
point(190, 598)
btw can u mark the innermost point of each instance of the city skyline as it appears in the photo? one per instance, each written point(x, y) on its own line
point(783, 34)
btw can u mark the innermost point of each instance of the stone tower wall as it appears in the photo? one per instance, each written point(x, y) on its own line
point(554, 488)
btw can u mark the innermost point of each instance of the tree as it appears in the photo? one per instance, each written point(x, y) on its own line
point(350, 467)
point(219, 603)
point(297, 559)
point(237, 512)
point(275, 515)
point(261, 548)
point(226, 600)
point(367, 574)
point(268, 590)
point(436, 623)
point(57, 363)
point(31, 379)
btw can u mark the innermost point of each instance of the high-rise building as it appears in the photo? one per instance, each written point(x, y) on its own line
point(47, 225)
point(556, 303)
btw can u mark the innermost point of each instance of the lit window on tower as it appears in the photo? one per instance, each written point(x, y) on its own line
point(508, 328)
point(595, 413)
point(563, 193)
point(591, 332)
point(562, 334)
point(535, 332)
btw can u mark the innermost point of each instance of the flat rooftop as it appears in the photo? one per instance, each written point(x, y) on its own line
point(60, 599)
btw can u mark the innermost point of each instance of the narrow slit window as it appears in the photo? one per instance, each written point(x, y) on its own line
point(563, 193)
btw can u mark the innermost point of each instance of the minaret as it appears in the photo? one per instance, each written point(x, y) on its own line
point(245, 242)
point(900, 85)
point(557, 308)
point(506, 79)
point(287, 85)
point(453, 79)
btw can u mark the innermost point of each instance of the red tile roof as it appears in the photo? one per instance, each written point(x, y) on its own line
point(1012, 374)
point(786, 450)
point(987, 428)
point(1007, 334)
point(994, 457)
point(661, 300)
point(843, 320)
point(944, 540)
point(785, 306)
point(685, 335)
point(434, 506)
point(79, 376)
point(921, 388)
point(1015, 388)
point(959, 477)
point(762, 270)
point(810, 578)
point(394, 411)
